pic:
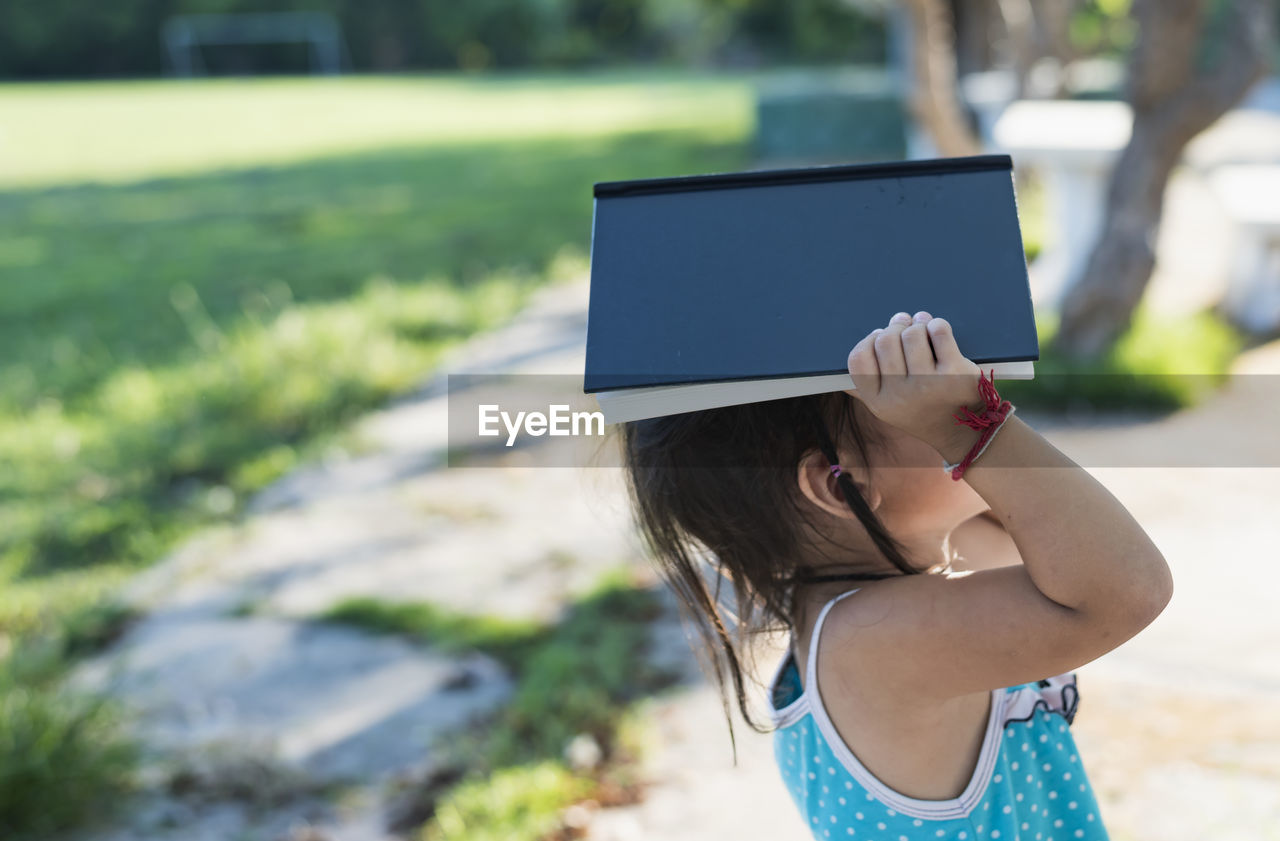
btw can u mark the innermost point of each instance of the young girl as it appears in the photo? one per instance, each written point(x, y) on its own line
point(933, 700)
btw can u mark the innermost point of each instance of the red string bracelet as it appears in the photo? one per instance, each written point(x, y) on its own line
point(996, 412)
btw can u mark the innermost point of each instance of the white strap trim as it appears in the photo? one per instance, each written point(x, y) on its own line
point(792, 712)
point(811, 668)
point(796, 709)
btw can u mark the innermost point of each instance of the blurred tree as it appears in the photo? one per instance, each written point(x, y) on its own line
point(1193, 61)
point(933, 99)
point(1036, 32)
point(952, 37)
point(933, 43)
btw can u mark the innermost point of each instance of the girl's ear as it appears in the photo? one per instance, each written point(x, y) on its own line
point(820, 486)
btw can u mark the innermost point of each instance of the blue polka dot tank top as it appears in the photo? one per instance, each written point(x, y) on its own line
point(1029, 783)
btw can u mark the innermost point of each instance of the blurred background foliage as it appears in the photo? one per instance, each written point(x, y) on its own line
point(83, 38)
point(79, 38)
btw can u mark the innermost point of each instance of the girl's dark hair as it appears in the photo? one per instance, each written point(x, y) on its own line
point(724, 480)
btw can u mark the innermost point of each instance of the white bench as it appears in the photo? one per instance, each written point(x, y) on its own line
point(1250, 194)
point(1073, 145)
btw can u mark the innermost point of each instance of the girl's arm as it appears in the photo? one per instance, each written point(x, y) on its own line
point(982, 543)
point(1054, 510)
point(1091, 578)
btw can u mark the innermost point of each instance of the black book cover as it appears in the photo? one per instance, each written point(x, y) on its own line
point(774, 274)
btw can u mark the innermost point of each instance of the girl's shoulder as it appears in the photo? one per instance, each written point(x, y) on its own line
point(913, 745)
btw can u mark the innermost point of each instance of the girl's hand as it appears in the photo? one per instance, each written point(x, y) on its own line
point(895, 371)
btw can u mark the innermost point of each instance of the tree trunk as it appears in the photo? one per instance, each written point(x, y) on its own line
point(973, 21)
point(1172, 102)
point(1036, 31)
point(1053, 28)
point(934, 100)
point(1053, 19)
point(1020, 29)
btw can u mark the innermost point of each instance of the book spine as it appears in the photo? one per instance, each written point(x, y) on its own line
point(806, 175)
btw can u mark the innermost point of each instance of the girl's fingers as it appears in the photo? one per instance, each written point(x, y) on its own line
point(888, 346)
point(916, 349)
point(863, 367)
point(944, 342)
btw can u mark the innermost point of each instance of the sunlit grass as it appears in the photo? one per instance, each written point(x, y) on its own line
point(521, 803)
point(70, 132)
point(64, 756)
point(127, 275)
point(508, 640)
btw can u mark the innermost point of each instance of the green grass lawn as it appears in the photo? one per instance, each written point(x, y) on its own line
point(59, 133)
point(201, 283)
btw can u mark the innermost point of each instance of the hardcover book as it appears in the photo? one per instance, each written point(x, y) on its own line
point(718, 290)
